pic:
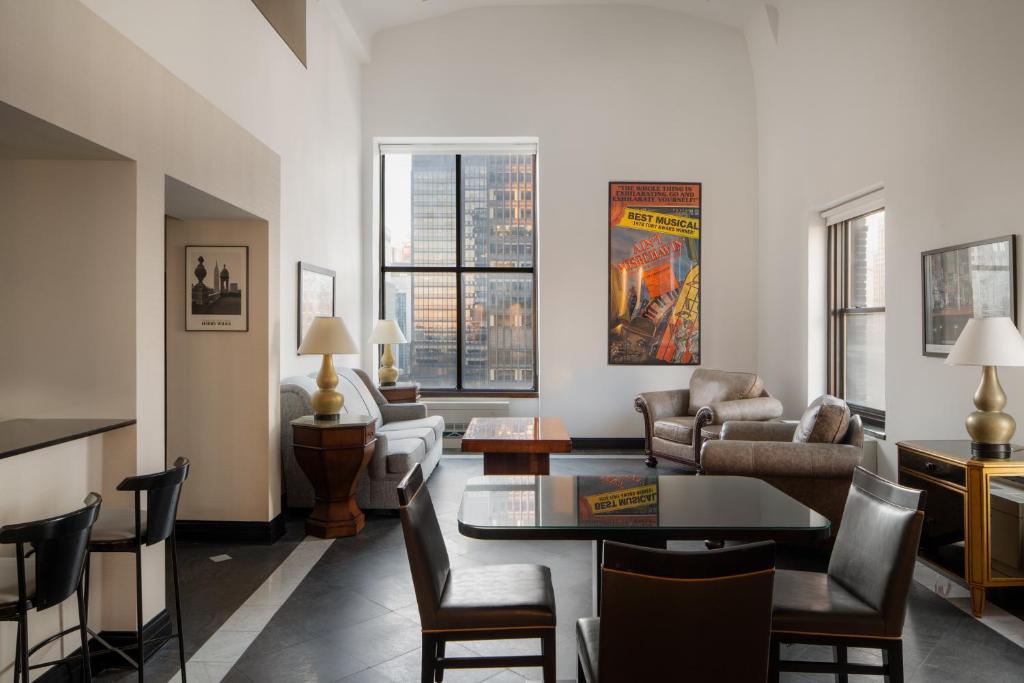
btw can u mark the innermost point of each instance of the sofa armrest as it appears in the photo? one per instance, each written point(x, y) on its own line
point(656, 405)
point(778, 459)
point(377, 468)
point(760, 408)
point(739, 430)
point(397, 412)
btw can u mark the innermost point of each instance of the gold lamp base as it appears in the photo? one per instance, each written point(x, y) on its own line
point(990, 428)
point(388, 373)
point(327, 400)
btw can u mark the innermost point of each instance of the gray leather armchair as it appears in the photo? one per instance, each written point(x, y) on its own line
point(816, 473)
point(674, 420)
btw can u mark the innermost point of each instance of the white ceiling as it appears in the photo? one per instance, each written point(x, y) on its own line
point(370, 16)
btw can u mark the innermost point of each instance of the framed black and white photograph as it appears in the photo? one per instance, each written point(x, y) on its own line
point(316, 296)
point(974, 280)
point(217, 288)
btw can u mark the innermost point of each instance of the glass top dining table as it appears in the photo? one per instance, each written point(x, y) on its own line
point(643, 510)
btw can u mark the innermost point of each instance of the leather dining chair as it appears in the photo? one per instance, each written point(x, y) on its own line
point(46, 570)
point(658, 604)
point(495, 602)
point(861, 600)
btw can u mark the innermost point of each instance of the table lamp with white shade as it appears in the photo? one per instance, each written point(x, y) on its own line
point(387, 332)
point(989, 342)
point(327, 336)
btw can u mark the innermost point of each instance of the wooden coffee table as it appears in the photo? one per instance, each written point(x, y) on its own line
point(516, 445)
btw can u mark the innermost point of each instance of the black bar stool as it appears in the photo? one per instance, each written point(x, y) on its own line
point(57, 548)
point(121, 530)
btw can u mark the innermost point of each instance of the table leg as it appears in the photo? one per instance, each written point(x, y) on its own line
point(977, 600)
point(516, 463)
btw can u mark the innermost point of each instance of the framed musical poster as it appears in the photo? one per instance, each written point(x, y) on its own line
point(654, 273)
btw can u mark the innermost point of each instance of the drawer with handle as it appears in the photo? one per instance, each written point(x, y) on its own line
point(933, 467)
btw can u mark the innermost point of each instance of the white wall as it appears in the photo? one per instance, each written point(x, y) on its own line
point(612, 93)
point(228, 52)
point(924, 96)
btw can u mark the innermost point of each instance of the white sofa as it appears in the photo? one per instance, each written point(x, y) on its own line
point(406, 435)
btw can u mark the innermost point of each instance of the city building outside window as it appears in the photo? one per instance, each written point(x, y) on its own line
point(457, 258)
point(856, 321)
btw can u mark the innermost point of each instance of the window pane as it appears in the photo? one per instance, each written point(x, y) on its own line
point(867, 260)
point(424, 304)
point(498, 338)
point(498, 210)
point(865, 359)
point(419, 209)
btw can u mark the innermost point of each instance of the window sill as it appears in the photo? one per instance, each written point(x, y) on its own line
point(875, 432)
point(451, 393)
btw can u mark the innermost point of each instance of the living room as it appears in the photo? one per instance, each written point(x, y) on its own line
point(686, 275)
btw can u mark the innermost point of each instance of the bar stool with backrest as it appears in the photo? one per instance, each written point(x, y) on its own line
point(657, 605)
point(495, 602)
point(122, 530)
point(47, 568)
point(861, 600)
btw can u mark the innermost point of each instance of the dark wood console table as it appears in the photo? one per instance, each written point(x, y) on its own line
point(973, 501)
point(334, 454)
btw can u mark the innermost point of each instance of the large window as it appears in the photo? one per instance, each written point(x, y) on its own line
point(856, 334)
point(457, 254)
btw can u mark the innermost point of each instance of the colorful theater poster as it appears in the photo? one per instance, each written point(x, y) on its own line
point(654, 273)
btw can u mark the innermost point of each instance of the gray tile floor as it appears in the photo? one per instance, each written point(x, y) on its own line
point(354, 617)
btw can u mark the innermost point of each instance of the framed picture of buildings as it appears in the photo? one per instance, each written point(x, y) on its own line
point(974, 280)
point(217, 288)
point(316, 297)
point(654, 232)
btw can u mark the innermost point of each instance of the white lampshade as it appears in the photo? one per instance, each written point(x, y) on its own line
point(387, 332)
point(988, 341)
point(327, 335)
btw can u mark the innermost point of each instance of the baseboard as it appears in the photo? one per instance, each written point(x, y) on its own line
point(213, 531)
point(607, 443)
point(157, 627)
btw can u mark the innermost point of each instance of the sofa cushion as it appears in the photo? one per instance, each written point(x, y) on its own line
point(404, 453)
point(425, 434)
point(678, 429)
point(825, 421)
point(358, 399)
point(713, 386)
point(435, 422)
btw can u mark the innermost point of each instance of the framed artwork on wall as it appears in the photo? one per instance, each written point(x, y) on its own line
point(654, 256)
point(217, 289)
point(316, 297)
point(973, 280)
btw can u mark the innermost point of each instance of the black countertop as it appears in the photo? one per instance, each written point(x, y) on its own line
point(22, 436)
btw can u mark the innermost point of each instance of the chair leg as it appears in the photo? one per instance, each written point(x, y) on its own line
point(439, 670)
point(86, 659)
point(547, 648)
point(23, 646)
point(581, 676)
point(839, 656)
point(651, 461)
point(177, 606)
point(17, 654)
point(141, 661)
point(892, 659)
point(429, 659)
point(774, 656)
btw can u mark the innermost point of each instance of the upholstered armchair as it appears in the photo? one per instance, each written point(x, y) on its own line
point(674, 420)
point(813, 460)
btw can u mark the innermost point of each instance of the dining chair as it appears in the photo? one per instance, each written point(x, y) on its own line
point(861, 601)
point(493, 602)
point(700, 616)
point(46, 570)
point(122, 530)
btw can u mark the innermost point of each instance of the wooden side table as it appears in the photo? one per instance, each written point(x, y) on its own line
point(405, 392)
point(959, 507)
point(333, 454)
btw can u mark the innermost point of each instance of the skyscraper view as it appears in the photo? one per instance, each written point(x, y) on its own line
point(423, 269)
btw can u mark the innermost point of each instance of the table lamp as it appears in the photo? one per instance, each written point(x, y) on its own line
point(387, 332)
point(989, 342)
point(327, 336)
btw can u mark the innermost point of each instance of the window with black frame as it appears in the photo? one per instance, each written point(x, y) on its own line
point(856, 334)
point(457, 255)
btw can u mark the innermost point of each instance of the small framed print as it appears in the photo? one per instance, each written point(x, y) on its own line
point(217, 288)
point(974, 280)
point(316, 297)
